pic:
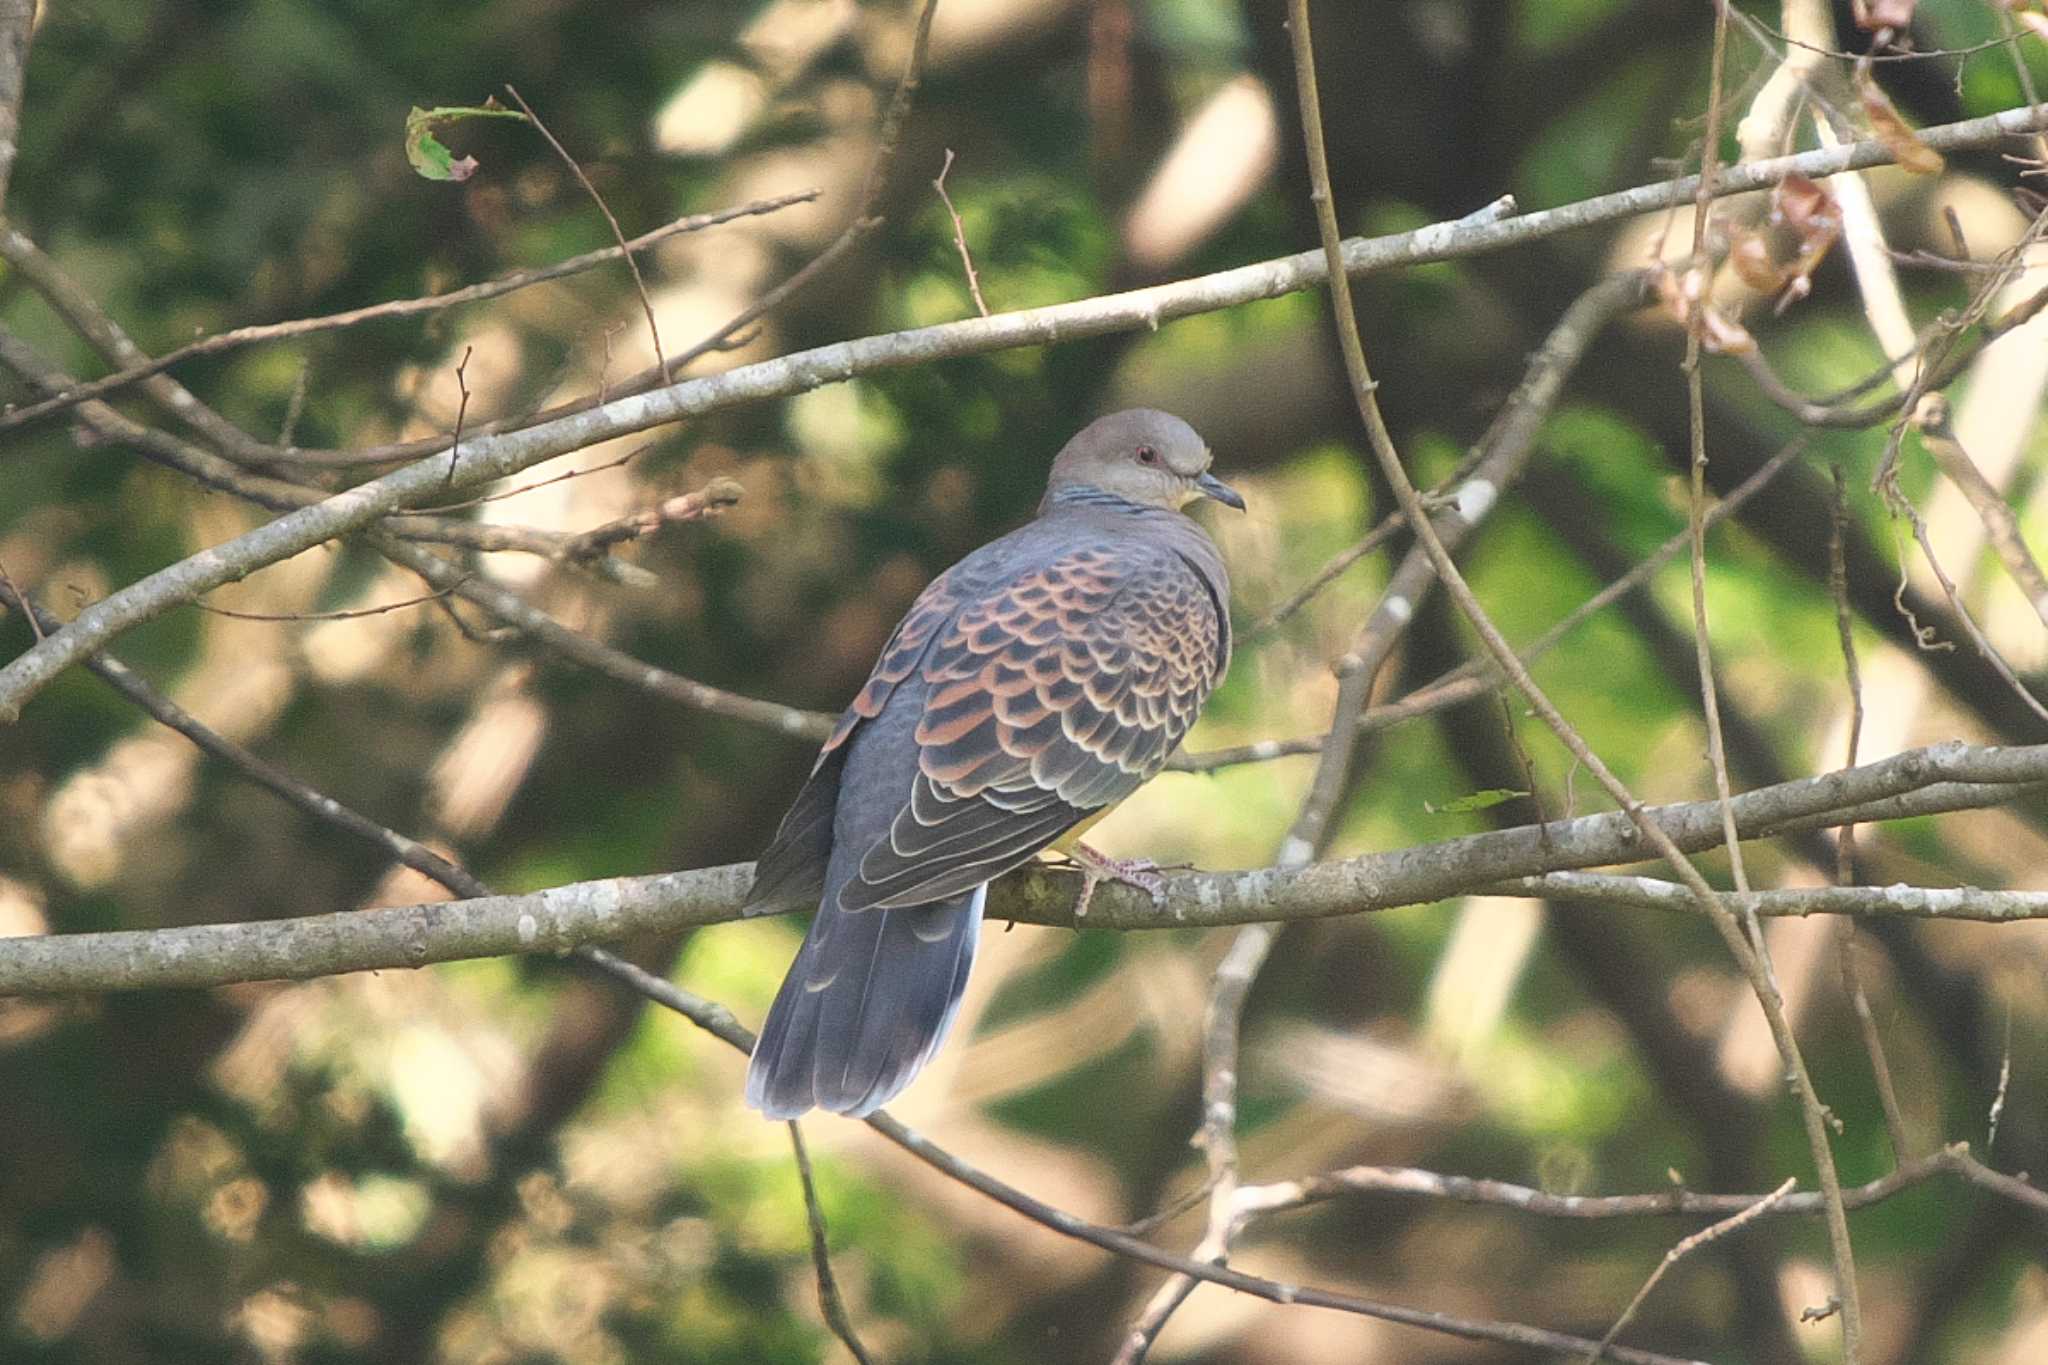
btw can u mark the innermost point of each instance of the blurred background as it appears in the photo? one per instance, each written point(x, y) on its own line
point(501, 1161)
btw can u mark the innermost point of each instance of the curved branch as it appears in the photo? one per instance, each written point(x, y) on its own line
point(494, 457)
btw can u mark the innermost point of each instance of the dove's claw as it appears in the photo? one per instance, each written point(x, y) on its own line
point(1097, 868)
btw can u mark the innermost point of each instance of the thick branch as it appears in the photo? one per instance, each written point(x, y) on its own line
point(1948, 776)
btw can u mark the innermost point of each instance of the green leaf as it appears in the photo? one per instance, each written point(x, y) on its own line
point(1480, 800)
point(429, 155)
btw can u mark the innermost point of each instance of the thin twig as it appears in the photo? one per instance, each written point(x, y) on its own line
point(35, 625)
point(1865, 902)
point(1471, 679)
point(1389, 527)
point(513, 610)
point(2001, 525)
point(395, 308)
point(709, 501)
point(461, 412)
point(351, 614)
point(1363, 387)
point(2022, 70)
point(1947, 337)
point(1406, 1182)
point(1976, 633)
point(83, 314)
point(1685, 1247)
point(960, 237)
point(562, 477)
point(1696, 427)
point(618, 236)
point(1912, 55)
point(829, 1302)
point(1834, 411)
point(278, 495)
point(1845, 838)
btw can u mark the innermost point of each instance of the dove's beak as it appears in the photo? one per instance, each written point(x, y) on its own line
point(1213, 487)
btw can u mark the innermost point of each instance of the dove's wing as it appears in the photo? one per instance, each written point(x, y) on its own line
point(1054, 692)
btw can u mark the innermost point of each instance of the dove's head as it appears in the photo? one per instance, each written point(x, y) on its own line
point(1142, 455)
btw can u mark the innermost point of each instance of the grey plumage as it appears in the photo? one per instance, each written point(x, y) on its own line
point(1045, 676)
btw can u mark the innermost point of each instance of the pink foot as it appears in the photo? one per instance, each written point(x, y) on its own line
point(1097, 868)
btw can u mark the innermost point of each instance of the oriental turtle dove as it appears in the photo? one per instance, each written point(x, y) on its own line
point(1040, 679)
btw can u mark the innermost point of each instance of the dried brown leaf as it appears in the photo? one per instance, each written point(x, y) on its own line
point(1891, 127)
point(1872, 15)
point(1805, 206)
point(1751, 257)
point(1809, 211)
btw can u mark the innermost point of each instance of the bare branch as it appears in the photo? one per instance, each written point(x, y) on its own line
point(1985, 648)
point(1845, 838)
point(1685, 1247)
point(1407, 1182)
point(1389, 458)
point(494, 456)
point(1869, 902)
point(829, 1302)
point(611, 220)
point(2001, 525)
point(514, 611)
point(1834, 412)
point(351, 614)
point(696, 505)
point(278, 495)
point(1121, 1243)
point(719, 1021)
point(960, 237)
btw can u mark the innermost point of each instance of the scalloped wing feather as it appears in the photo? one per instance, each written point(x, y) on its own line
point(1057, 692)
point(791, 872)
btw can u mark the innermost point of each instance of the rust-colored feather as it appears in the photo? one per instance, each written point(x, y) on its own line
point(1054, 692)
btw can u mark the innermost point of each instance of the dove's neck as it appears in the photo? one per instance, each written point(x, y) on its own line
point(1083, 497)
point(1163, 526)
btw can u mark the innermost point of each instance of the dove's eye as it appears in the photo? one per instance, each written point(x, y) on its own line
point(1148, 455)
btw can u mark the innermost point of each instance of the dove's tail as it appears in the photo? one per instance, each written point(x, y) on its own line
point(864, 1006)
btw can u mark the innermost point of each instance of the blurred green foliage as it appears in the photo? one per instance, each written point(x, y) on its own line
point(501, 1162)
